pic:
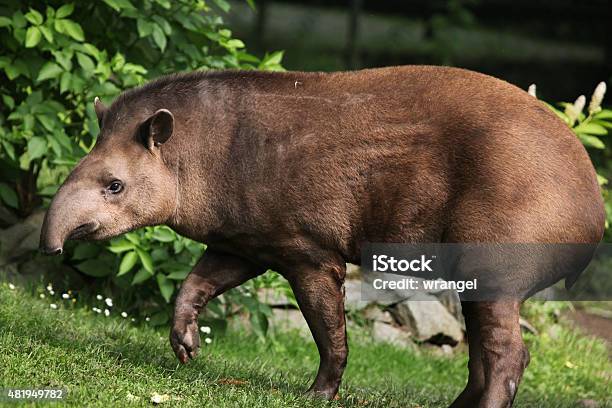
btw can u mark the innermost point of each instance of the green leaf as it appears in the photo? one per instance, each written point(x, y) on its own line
point(65, 10)
point(223, 5)
point(48, 71)
point(179, 275)
point(166, 287)
point(70, 28)
point(141, 276)
point(37, 146)
point(128, 262)
point(47, 33)
point(591, 128)
point(163, 23)
point(85, 250)
point(9, 149)
point(159, 37)
point(8, 195)
point(8, 101)
point(133, 238)
point(120, 246)
point(144, 27)
point(95, 268)
point(163, 234)
point(34, 17)
point(65, 82)
point(85, 62)
point(5, 21)
point(235, 43)
point(591, 141)
point(33, 36)
point(164, 3)
point(117, 5)
point(146, 260)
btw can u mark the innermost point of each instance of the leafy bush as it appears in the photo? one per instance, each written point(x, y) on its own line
point(55, 58)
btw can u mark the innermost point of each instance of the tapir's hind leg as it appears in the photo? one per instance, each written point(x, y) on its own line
point(504, 355)
point(472, 393)
point(319, 293)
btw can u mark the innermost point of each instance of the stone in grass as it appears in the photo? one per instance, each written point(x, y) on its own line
point(387, 333)
point(376, 314)
point(353, 296)
point(428, 320)
point(289, 320)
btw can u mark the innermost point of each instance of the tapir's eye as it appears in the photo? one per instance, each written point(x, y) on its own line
point(115, 187)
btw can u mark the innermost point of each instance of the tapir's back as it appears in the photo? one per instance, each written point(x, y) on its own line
point(425, 154)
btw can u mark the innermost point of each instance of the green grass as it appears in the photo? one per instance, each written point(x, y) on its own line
point(101, 361)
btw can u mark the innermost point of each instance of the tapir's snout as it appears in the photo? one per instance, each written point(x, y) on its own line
point(70, 216)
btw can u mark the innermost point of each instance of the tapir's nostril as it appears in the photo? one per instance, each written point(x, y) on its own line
point(52, 251)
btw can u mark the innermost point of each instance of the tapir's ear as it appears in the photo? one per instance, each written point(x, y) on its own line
point(157, 129)
point(100, 109)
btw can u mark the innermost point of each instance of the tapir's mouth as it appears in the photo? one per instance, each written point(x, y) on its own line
point(84, 231)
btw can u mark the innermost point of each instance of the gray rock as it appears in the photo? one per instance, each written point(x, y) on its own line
point(20, 238)
point(353, 296)
point(289, 319)
point(353, 271)
point(450, 300)
point(376, 314)
point(387, 333)
point(428, 320)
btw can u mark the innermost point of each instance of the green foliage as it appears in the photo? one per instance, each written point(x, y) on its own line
point(54, 59)
point(57, 58)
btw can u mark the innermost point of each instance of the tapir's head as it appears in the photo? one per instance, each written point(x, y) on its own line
point(124, 183)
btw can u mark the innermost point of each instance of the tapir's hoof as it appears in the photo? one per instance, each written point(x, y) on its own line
point(185, 340)
point(323, 394)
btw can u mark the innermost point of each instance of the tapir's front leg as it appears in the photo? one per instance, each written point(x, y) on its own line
point(214, 274)
point(320, 295)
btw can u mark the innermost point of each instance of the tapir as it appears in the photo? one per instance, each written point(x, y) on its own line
point(295, 171)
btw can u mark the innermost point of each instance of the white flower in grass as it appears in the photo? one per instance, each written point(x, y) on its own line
point(532, 90)
point(53, 306)
point(99, 297)
point(147, 318)
point(11, 286)
point(49, 288)
point(42, 296)
point(109, 302)
point(132, 398)
point(65, 296)
point(123, 314)
point(159, 399)
point(597, 98)
point(133, 319)
point(208, 340)
point(573, 111)
point(95, 309)
point(51, 292)
point(106, 312)
point(205, 329)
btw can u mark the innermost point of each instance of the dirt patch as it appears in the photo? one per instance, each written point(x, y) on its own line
point(592, 325)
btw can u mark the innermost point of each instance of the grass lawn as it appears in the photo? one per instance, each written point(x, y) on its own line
point(107, 361)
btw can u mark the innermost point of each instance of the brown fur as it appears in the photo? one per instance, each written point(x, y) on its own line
point(295, 171)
